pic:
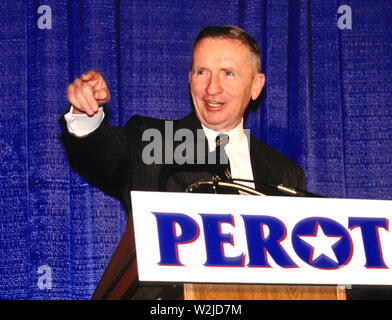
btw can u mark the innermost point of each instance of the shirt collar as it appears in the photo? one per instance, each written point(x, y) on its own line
point(235, 135)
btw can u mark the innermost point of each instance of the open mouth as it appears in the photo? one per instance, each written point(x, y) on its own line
point(214, 104)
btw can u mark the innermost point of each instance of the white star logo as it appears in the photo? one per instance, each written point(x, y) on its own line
point(321, 244)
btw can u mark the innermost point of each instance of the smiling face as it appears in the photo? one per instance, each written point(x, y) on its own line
point(223, 80)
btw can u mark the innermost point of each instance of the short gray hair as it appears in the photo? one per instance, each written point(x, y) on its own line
point(230, 32)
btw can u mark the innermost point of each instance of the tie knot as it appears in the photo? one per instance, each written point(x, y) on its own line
point(221, 140)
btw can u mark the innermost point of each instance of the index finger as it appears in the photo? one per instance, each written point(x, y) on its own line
point(90, 75)
point(94, 79)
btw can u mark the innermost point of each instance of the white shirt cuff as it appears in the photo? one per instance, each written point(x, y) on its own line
point(82, 125)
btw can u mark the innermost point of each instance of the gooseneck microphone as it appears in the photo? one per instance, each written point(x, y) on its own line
point(264, 188)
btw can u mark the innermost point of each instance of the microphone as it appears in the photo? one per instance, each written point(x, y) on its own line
point(267, 188)
point(297, 192)
point(289, 191)
point(169, 169)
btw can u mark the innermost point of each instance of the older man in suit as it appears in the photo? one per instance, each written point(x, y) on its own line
point(224, 78)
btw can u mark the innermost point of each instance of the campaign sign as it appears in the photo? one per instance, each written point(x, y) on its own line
point(184, 237)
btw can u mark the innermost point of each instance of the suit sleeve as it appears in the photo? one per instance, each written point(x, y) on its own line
point(106, 157)
point(301, 179)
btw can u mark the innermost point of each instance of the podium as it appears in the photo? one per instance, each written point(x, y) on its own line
point(231, 247)
point(120, 282)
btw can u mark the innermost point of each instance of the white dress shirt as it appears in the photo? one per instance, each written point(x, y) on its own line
point(237, 150)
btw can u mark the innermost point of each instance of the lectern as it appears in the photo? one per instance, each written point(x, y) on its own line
point(229, 247)
point(120, 281)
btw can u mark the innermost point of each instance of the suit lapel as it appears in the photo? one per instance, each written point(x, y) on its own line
point(262, 168)
point(192, 123)
point(183, 176)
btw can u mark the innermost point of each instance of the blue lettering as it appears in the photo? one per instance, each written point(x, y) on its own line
point(371, 242)
point(259, 245)
point(215, 239)
point(169, 240)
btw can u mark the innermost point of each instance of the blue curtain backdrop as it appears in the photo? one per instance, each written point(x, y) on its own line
point(327, 106)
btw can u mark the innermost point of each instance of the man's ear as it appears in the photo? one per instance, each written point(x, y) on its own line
point(258, 84)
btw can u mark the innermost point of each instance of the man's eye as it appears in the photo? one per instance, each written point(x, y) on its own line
point(201, 72)
point(229, 73)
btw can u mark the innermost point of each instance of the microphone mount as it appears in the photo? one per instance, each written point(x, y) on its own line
point(267, 188)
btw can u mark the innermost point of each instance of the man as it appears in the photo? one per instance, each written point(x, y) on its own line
point(225, 76)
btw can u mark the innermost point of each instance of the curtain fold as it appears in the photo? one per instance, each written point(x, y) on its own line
point(326, 105)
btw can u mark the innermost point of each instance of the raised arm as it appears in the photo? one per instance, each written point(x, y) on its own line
point(106, 155)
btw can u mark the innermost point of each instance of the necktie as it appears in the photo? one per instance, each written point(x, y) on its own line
point(222, 160)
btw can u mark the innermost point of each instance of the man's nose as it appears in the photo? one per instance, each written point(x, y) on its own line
point(214, 86)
